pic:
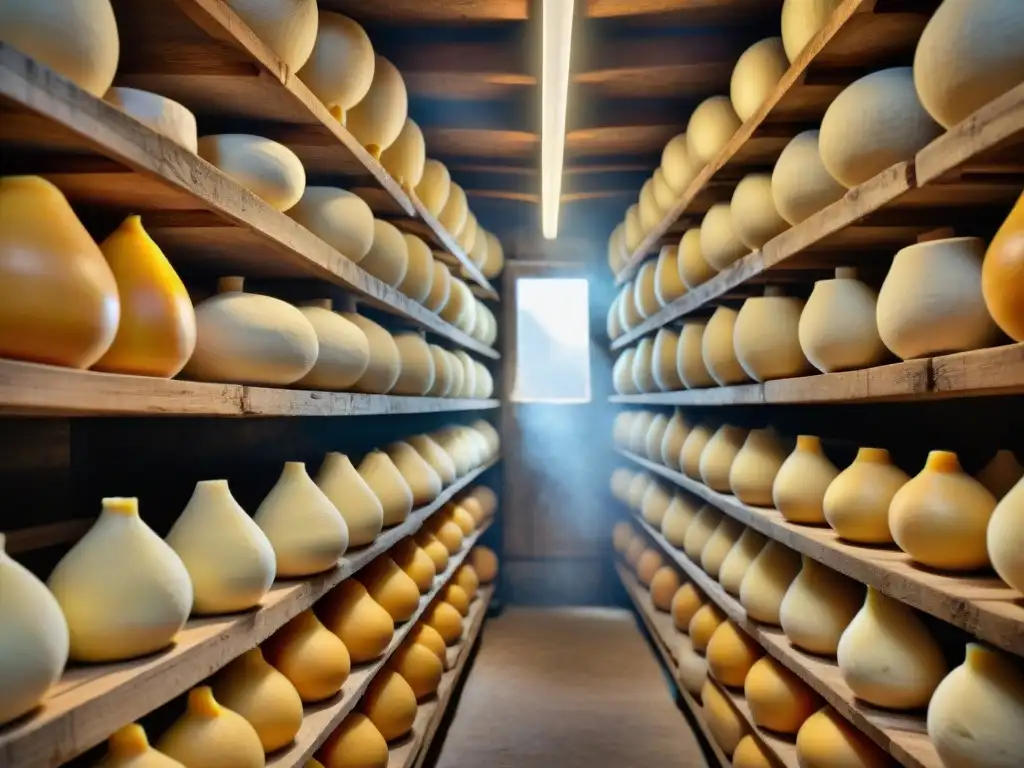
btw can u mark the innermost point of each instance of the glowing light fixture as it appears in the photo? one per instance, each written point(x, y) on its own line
point(555, 93)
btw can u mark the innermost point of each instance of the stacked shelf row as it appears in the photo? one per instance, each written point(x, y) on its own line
point(91, 702)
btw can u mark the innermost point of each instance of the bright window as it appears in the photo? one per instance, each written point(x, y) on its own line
point(552, 341)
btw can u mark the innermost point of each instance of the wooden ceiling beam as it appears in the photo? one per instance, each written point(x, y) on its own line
point(420, 11)
point(693, 10)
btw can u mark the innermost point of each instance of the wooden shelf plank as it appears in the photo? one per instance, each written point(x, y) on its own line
point(33, 389)
point(903, 735)
point(980, 372)
point(241, 77)
point(980, 604)
point(91, 702)
point(411, 752)
point(99, 156)
point(660, 627)
point(320, 720)
point(855, 26)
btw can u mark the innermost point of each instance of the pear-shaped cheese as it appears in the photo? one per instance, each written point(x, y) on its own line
point(750, 754)
point(719, 244)
point(387, 483)
point(430, 639)
point(634, 550)
point(738, 560)
point(694, 269)
point(753, 471)
point(353, 498)
point(377, 119)
point(672, 442)
point(390, 703)
point(827, 740)
point(622, 535)
point(269, 170)
point(263, 696)
point(447, 532)
point(437, 551)
point(466, 577)
point(357, 619)
point(800, 184)
point(356, 743)
point(694, 445)
point(444, 374)
point(312, 657)
point(340, 218)
point(677, 519)
point(690, 356)
point(644, 294)
point(717, 349)
point(246, 338)
point(818, 607)
point(469, 371)
point(421, 478)
point(128, 747)
point(637, 489)
point(668, 285)
point(123, 591)
point(643, 373)
point(655, 504)
point(976, 715)
point(621, 428)
point(638, 432)
point(700, 531)
point(461, 516)
point(663, 360)
point(211, 735)
point(229, 559)
point(446, 620)
point(727, 726)
point(940, 518)
point(392, 587)
point(1006, 537)
point(685, 603)
point(344, 351)
point(419, 667)
point(655, 434)
point(417, 564)
point(778, 699)
point(693, 668)
point(622, 373)
point(766, 336)
point(800, 486)
point(385, 364)
point(307, 532)
point(856, 503)
point(1000, 474)
point(648, 564)
point(718, 455)
point(703, 625)
point(755, 218)
point(888, 657)
point(731, 653)
point(487, 499)
point(767, 580)
point(405, 159)
point(33, 638)
point(417, 372)
point(457, 598)
point(664, 586)
point(434, 187)
point(720, 544)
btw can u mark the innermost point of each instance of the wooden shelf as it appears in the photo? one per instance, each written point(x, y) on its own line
point(980, 372)
point(205, 57)
point(320, 720)
point(205, 222)
point(903, 735)
point(979, 604)
point(91, 702)
point(32, 389)
point(412, 751)
point(974, 165)
point(660, 627)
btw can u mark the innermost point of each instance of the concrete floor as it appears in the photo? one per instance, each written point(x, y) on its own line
point(567, 688)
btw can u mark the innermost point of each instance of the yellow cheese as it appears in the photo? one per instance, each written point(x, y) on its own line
point(357, 619)
point(263, 696)
point(778, 699)
point(731, 653)
point(356, 743)
point(664, 586)
point(310, 656)
point(211, 735)
point(128, 747)
point(725, 723)
point(705, 621)
point(685, 603)
point(826, 740)
point(420, 667)
point(392, 587)
point(390, 703)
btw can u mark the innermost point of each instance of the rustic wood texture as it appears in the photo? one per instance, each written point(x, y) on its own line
point(216, 225)
point(91, 702)
point(980, 372)
point(42, 536)
point(319, 720)
point(965, 601)
point(33, 389)
point(902, 735)
point(412, 751)
point(452, 11)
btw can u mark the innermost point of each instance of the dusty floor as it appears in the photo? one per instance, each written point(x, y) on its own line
point(567, 688)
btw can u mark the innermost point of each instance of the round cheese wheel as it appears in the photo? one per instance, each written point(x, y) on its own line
point(416, 373)
point(288, 27)
point(405, 159)
point(727, 726)
point(711, 125)
point(685, 603)
point(434, 186)
point(158, 112)
point(827, 740)
point(634, 230)
point(731, 653)
point(801, 20)
point(756, 74)
point(269, 170)
point(455, 213)
point(339, 71)
point(874, 123)
point(678, 166)
point(344, 352)
point(377, 119)
point(645, 295)
point(419, 276)
point(467, 238)
point(339, 218)
point(650, 212)
point(388, 257)
point(664, 586)
point(720, 244)
point(800, 184)
point(693, 267)
point(648, 564)
point(755, 218)
point(778, 699)
point(664, 195)
point(703, 625)
point(440, 287)
point(385, 363)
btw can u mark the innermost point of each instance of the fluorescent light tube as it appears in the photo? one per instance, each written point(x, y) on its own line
point(555, 93)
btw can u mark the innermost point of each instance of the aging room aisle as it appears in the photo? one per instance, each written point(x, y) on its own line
point(573, 688)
